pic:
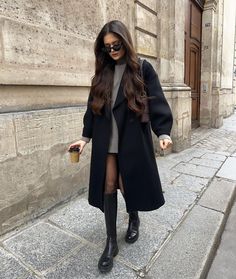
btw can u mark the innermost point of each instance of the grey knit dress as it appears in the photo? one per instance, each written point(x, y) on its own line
point(119, 71)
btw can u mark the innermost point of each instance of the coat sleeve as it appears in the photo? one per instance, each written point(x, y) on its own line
point(160, 113)
point(88, 119)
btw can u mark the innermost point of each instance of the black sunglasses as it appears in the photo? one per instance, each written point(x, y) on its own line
point(115, 47)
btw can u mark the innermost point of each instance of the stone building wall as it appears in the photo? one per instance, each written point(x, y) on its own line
point(234, 69)
point(227, 96)
point(218, 35)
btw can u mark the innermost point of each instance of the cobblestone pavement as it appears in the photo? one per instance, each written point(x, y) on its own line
point(174, 240)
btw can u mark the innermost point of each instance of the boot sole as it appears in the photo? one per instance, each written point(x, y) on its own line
point(109, 268)
point(130, 241)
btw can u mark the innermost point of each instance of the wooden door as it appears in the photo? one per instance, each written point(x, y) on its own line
point(193, 27)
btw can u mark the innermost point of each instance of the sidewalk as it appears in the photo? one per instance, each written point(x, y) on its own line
point(178, 241)
point(224, 262)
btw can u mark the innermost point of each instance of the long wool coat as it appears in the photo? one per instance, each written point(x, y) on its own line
point(136, 158)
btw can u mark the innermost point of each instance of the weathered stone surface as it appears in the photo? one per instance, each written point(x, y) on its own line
point(228, 169)
point(186, 254)
point(146, 44)
point(140, 252)
point(24, 98)
point(213, 143)
point(10, 268)
point(146, 20)
point(41, 175)
point(121, 10)
point(223, 265)
point(152, 4)
point(206, 162)
point(83, 264)
point(41, 56)
point(201, 171)
point(167, 176)
point(191, 183)
point(214, 156)
point(167, 216)
point(7, 138)
point(179, 198)
point(181, 108)
point(40, 130)
point(42, 245)
point(75, 18)
point(84, 220)
point(218, 195)
point(1, 50)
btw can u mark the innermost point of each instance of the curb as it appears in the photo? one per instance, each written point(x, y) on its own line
point(190, 251)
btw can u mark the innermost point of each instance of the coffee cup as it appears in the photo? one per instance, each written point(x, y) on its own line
point(74, 154)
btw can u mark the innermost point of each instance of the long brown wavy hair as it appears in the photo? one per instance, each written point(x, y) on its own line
point(102, 82)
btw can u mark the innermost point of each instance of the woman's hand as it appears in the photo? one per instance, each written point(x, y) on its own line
point(80, 143)
point(165, 143)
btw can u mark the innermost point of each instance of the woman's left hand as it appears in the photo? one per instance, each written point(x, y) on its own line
point(165, 143)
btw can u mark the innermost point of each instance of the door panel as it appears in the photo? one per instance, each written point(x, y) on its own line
point(193, 55)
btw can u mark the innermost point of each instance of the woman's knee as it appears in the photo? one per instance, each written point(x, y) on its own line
point(110, 188)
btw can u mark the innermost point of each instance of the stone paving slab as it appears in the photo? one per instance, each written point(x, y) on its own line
point(206, 162)
point(191, 183)
point(214, 156)
point(167, 176)
point(41, 245)
point(10, 268)
point(83, 265)
point(218, 195)
point(187, 253)
point(152, 235)
point(201, 171)
point(223, 266)
point(84, 220)
point(214, 141)
point(188, 154)
point(166, 216)
point(179, 198)
point(228, 170)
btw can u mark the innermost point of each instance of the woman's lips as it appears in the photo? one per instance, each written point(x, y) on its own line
point(115, 54)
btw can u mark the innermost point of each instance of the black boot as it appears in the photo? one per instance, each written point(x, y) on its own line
point(105, 263)
point(133, 228)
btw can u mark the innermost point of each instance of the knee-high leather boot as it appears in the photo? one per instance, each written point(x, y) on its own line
point(105, 263)
point(132, 233)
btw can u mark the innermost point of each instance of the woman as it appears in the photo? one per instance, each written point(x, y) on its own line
point(122, 149)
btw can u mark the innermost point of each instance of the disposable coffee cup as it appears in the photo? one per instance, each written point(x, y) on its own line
point(74, 154)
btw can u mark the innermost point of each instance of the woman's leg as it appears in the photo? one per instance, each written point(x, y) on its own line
point(105, 263)
point(111, 174)
point(121, 186)
point(132, 233)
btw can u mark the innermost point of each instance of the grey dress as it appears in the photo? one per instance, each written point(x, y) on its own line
point(119, 70)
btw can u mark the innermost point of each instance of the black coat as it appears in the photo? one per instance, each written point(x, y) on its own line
point(136, 158)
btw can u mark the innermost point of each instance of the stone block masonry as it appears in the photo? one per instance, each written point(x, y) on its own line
point(35, 170)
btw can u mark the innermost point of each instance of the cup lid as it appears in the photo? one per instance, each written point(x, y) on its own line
point(74, 149)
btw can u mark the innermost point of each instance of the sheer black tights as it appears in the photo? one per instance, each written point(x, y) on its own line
point(113, 178)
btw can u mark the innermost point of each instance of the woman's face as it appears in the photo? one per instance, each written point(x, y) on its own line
point(114, 46)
